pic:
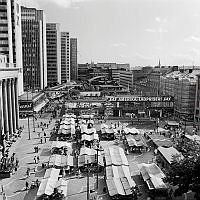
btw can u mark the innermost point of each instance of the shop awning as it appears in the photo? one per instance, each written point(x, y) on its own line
point(135, 140)
point(88, 159)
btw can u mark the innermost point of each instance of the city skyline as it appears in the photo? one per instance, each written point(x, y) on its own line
point(138, 32)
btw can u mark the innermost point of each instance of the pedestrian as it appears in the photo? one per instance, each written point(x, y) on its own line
point(38, 159)
point(27, 172)
point(39, 134)
point(41, 140)
point(2, 190)
point(27, 185)
point(37, 149)
point(35, 160)
point(45, 139)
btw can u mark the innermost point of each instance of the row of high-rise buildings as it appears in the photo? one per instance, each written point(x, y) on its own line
point(43, 54)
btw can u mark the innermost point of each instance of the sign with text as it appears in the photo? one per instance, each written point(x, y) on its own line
point(140, 99)
point(25, 106)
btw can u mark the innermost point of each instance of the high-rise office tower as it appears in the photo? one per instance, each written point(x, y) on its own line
point(34, 48)
point(10, 34)
point(65, 57)
point(53, 53)
point(73, 58)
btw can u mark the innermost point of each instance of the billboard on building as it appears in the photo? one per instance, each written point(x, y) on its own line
point(140, 98)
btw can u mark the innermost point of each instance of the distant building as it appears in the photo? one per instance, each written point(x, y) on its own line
point(34, 48)
point(73, 59)
point(65, 57)
point(9, 110)
point(83, 72)
point(53, 53)
point(11, 42)
point(181, 85)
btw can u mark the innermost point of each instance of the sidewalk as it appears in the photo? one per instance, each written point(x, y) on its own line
point(24, 149)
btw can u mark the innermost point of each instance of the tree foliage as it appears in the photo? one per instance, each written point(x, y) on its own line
point(186, 173)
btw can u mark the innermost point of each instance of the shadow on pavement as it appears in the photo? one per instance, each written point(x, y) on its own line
point(45, 152)
point(31, 194)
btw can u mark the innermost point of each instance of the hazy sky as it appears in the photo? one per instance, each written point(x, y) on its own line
point(138, 32)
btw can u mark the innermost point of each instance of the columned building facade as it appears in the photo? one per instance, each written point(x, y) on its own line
point(11, 37)
point(9, 110)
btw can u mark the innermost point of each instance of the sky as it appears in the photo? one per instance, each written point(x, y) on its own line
point(139, 32)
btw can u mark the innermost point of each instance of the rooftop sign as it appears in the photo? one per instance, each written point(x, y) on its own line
point(140, 99)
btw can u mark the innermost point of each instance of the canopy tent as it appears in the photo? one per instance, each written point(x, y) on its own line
point(52, 173)
point(89, 137)
point(69, 116)
point(172, 123)
point(133, 131)
point(119, 186)
point(87, 151)
point(67, 129)
point(87, 116)
point(119, 172)
point(46, 186)
point(162, 130)
point(152, 175)
point(195, 138)
point(108, 131)
point(88, 159)
point(135, 140)
point(86, 130)
point(61, 160)
point(60, 144)
point(62, 186)
point(170, 154)
point(160, 140)
point(115, 156)
point(68, 121)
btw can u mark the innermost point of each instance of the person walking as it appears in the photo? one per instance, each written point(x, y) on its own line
point(41, 140)
point(35, 160)
point(38, 159)
point(26, 184)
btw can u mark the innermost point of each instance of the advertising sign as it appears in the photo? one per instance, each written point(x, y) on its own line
point(140, 99)
point(25, 106)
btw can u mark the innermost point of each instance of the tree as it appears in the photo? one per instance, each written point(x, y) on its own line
point(185, 174)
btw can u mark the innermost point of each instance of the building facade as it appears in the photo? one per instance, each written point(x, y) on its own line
point(10, 34)
point(73, 59)
point(9, 110)
point(182, 86)
point(53, 42)
point(65, 57)
point(34, 48)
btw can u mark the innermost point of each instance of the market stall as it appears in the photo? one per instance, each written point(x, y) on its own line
point(159, 140)
point(165, 156)
point(135, 142)
point(61, 161)
point(132, 131)
point(115, 155)
point(153, 177)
